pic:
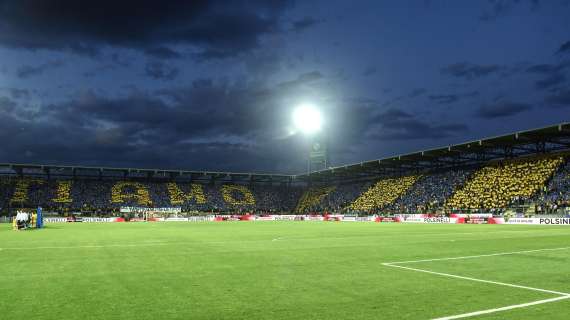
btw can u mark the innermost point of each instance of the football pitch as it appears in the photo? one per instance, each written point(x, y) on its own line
point(284, 270)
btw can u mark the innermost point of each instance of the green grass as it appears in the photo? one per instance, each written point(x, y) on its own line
point(276, 270)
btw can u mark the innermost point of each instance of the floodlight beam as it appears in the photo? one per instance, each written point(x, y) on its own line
point(307, 119)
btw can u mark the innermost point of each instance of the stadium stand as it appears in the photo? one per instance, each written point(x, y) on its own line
point(90, 195)
point(473, 176)
point(237, 195)
point(130, 193)
point(494, 185)
point(498, 184)
point(556, 194)
point(276, 199)
point(63, 192)
point(383, 193)
point(107, 196)
point(343, 195)
point(311, 199)
point(430, 192)
point(22, 190)
point(178, 197)
point(5, 193)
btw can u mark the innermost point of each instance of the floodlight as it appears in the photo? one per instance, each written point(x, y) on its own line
point(307, 119)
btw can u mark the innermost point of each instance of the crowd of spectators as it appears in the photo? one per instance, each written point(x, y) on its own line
point(429, 192)
point(499, 184)
point(340, 199)
point(107, 196)
point(556, 195)
point(383, 193)
point(311, 200)
point(543, 182)
point(276, 199)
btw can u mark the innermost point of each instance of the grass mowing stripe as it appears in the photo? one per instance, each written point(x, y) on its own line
point(88, 246)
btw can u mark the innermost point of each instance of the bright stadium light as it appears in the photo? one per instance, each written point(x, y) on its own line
point(307, 119)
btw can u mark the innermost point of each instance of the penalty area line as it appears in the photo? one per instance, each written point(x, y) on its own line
point(561, 295)
point(477, 280)
point(515, 306)
point(480, 256)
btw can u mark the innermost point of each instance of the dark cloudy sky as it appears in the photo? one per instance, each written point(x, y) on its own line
point(209, 85)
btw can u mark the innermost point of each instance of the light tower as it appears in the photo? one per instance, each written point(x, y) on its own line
point(308, 120)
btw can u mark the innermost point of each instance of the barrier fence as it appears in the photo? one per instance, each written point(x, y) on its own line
point(414, 218)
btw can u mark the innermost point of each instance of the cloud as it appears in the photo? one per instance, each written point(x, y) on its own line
point(417, 92)
point(304, 78)
point(564, 48)
point(7, 105)
point(502, 8)
point(393, 115)
point(470, 71)
point(560, 98)
point(444, 98)
point(396, 124)
point(163, 53)
point(370, 71)
point(198, 126)
point(550, 81)
point(451, 98)
point(502, 109)
point(304, 24)
point(27, 71)
point(553, 74)
point(212, 29)
point(161, 71)
point(547, 68)
point(17, 93)
point(263, 64)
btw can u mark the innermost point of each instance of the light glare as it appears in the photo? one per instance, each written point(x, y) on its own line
point(307, 119)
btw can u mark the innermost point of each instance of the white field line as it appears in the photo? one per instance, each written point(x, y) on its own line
point(479, 256)
point(478, 280)
point(515, 306)
point(561, 295)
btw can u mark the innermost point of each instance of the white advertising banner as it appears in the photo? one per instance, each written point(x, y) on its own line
point(430, 220)
point(473, 215)
point(288, 217)
point(95, 219)
point(265, 218)
point(200, 218)
point(540, 221)
point(145, 209)
point(176, 219)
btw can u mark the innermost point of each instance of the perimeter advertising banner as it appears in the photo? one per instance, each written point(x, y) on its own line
point(532, 221)
point(289, 217)
point(172, 210)
point(388, 219)
point(420, 219)
point(265, 218)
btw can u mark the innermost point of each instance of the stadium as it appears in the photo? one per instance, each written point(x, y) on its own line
point(284, 160)
point(252, 240)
